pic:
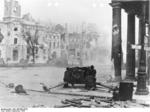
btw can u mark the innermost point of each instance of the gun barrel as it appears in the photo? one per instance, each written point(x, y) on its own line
point(98, 83)
point(57, 85)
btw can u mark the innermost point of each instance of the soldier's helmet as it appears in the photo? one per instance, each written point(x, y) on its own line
point(67, 68)
point(92, 66)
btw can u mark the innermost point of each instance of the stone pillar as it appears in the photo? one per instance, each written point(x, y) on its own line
point(149, 44)
point(130, 65)
point(116, 40)
point(139, 40)
point(141, 84)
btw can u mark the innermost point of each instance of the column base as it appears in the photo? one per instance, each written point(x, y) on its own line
point(148, 82)
point(128, 78)
point(142, 91)
point(117, 79)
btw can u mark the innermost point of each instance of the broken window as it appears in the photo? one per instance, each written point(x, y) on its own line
point(15, 29)
point(1, 36)
point(8, 33)
point(54, 45)
point(15, 40)
point(50, 45)
point(0, 54)
point(15, 55)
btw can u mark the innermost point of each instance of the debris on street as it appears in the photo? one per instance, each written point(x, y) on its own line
point(10, 85)
point(38, 106)
point(90, 102)
point(20, 90)
point(56, 96)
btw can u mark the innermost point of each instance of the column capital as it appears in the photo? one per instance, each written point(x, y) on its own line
point(142, 12)
point(116, 4)
point(131, 11)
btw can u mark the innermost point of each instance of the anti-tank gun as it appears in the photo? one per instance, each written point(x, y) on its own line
point(80, 75)
point(87, 76)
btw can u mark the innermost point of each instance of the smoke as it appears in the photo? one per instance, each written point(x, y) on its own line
point(93, 43)
point(100, 53)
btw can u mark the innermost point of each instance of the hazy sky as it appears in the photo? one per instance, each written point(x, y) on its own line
point(61, 11)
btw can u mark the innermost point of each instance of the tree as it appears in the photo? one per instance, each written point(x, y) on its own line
point(31, 38)
point(59, 28)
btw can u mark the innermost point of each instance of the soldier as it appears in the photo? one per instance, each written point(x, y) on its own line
point(90, 78)
point(93, 71)
point(66, 77)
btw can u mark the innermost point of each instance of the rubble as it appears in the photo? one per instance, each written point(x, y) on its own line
point(45, 88)
point(38, 106)
point(19, 89)
point(118, 99)
point(11, 85)
point(99, 102)
point(75, 97)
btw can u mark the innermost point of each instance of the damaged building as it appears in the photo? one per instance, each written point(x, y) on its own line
point(14, 46)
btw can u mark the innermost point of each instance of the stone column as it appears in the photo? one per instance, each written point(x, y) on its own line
point(130, 65)
point(141, 84)
point(149, 43)
point(116, 40)
point(139, 40)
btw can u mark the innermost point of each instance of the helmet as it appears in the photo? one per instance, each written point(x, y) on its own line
point(92, 66)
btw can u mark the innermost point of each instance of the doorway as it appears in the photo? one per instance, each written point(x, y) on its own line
point(15, 55)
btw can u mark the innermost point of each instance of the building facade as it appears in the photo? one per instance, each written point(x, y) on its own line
point(78, 49)
point(14, 46)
